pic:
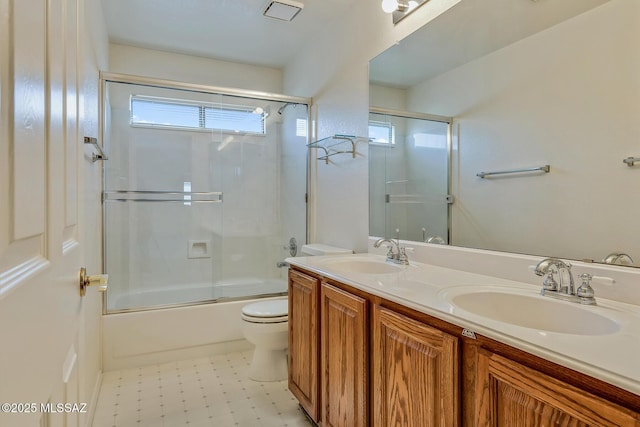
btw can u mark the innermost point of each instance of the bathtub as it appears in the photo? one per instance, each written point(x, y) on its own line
point(140, 338)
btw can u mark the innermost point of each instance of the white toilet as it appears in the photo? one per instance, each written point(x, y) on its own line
point(265, 325)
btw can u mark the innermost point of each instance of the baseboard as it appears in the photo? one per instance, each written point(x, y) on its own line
point(156, 358)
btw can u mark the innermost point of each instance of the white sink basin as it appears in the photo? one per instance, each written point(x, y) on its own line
point(363, 266)
point(535, 312)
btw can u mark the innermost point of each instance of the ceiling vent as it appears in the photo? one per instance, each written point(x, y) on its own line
point(284, 10)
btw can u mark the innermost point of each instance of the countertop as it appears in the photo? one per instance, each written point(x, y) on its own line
point(613, 358)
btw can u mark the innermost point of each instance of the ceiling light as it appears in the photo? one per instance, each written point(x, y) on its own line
point(284, 10)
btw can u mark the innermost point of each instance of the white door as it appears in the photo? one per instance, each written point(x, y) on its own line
point(42, 315)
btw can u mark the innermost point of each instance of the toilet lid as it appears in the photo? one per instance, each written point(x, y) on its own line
point(267, 309)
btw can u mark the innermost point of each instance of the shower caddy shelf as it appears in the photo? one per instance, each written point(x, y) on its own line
point(327, 145)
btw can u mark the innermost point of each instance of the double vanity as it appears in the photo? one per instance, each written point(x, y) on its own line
point(379, 343)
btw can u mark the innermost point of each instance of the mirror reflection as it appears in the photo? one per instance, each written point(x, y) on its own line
point(528, 84)
point(409, 177)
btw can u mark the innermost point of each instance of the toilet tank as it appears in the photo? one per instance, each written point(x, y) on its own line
point(315, 249)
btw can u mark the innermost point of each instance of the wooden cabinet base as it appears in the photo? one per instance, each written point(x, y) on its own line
point(415, 373)
point(304, 341)
point(425, 372)
point(510, 394)
point(344, 358)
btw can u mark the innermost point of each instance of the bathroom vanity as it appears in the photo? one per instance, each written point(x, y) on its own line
point(372, 343)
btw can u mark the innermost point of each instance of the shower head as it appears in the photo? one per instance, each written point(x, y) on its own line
point(281, 109)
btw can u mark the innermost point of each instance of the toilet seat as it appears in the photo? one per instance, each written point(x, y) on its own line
point(272, 311)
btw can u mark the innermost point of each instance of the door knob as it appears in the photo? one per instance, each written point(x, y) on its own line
point(99, 280)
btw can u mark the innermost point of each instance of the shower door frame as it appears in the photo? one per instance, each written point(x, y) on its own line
point(107, 77)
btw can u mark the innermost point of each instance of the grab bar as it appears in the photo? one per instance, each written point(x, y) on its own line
point(545, 169)
point(163, 196)
point(631, 160)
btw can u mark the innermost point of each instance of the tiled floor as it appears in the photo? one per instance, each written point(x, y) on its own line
point(212, 391)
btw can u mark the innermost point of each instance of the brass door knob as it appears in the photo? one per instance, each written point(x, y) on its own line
point(99, 280)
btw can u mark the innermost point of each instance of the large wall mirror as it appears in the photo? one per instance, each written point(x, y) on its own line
point(528, 84)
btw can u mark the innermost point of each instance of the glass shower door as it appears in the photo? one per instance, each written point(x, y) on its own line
point(162, 198)
point(202, 194)
point(408, 178)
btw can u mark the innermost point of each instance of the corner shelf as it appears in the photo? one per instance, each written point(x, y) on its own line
point(327, 144)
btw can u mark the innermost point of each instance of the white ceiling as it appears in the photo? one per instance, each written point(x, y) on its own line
point(469, 30)
point(236, 30)
point(233, 30)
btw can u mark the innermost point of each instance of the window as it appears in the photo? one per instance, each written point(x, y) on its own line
point(158, 113)
point(382, 133)
point(187, 189)
point(301, 127)
point(178, 114)
point(234, 120)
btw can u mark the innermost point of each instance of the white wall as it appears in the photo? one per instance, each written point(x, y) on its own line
point(192, 69)
point(333, 69)
point(388, 97)
point(529, 104)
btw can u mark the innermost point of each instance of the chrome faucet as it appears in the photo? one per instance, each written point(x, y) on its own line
point(398, 257)
point(564, 288)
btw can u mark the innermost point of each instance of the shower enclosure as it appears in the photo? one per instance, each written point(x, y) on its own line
point(409, 176)
point(203, 190)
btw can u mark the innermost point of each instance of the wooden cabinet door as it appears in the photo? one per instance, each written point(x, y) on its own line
point(510, 394)
point(415, 372)
point(304, 317)
point(344, 359)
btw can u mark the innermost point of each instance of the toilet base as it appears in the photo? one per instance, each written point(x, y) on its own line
point(268, 365)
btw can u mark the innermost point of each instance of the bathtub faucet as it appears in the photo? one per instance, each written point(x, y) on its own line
point(281, 264)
